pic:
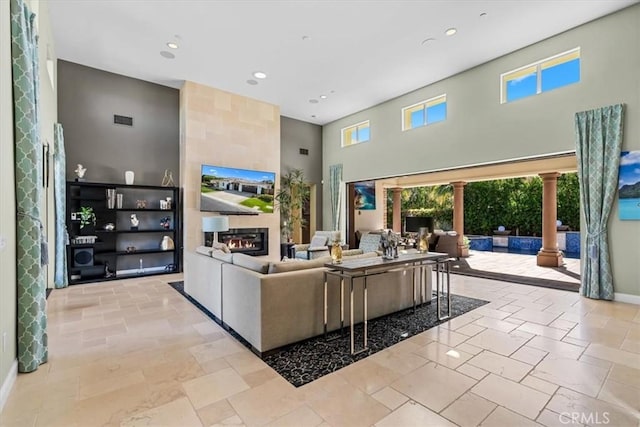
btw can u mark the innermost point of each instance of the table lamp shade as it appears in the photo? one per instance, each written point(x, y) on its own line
point(215, 223)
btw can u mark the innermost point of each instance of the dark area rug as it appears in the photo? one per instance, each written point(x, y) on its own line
point(308, 360)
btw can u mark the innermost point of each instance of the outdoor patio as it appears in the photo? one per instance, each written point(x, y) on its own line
point(519, 268)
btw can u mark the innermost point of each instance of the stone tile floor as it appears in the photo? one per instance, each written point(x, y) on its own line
point(135, 352)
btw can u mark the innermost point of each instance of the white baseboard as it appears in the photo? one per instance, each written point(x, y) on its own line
point(631, 299)
point(7, 385)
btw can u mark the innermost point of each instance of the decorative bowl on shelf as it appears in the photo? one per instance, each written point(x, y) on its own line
point(109, 226)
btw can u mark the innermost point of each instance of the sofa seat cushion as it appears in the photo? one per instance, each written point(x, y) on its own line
point(251, 263)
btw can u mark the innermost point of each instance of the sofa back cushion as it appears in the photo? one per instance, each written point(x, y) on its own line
point(204, 250)
point(222, 256)
point(251, 263)
point(284, 266)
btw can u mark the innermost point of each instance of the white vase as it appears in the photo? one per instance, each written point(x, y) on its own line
point(167, 243)
point(128, 177)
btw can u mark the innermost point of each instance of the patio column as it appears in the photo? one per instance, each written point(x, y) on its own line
point(397, 210)
point(549, 255)
point(458, 215)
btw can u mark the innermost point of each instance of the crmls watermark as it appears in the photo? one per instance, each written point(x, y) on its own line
point(590, 418)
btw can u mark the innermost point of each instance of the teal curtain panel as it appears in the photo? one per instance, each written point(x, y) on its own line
point(335, 183)
point(598, 135)
point(32, 312)
point(60, 279)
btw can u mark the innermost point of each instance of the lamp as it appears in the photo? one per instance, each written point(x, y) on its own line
point(215, 224)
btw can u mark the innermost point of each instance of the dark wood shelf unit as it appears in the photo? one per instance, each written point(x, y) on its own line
point(87, 262)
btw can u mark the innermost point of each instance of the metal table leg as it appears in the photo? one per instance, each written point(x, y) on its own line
point(442, 267)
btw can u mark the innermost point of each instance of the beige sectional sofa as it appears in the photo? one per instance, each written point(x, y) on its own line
point(274, 304)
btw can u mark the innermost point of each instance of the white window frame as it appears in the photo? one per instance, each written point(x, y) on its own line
point(342, 133)
point(425, 102)
point(537, 65)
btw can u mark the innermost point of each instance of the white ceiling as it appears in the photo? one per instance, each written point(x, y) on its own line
point(358, 53)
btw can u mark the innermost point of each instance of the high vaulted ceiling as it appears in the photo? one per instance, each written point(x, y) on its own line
point(356, 53)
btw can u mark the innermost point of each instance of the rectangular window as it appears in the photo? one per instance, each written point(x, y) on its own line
point(542, 76)
point(425, 113)
point(355, 134)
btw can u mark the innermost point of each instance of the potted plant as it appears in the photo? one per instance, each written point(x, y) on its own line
point(87, 216)
point(290, 198)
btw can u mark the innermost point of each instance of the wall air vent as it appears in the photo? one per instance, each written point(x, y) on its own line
point(122, 120)
point(304, 151)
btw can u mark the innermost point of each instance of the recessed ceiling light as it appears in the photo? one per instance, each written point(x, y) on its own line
point(172, 45)
point(323, 96)
point(166, 54)
point(313, 116)
point(313, 101)
point(429, 40)
point(259, 75)
point(451, 31)
point(252, 82)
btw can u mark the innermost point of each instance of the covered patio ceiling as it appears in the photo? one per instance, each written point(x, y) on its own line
point(563, 163)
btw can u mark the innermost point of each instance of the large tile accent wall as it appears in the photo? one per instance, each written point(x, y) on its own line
point(224, 129)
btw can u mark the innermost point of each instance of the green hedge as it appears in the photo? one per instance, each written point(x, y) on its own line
point(514, 203)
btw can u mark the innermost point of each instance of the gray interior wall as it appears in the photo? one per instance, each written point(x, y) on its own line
point(296, 134)
point(88, 99)
point(479, 129)
point(8, 298)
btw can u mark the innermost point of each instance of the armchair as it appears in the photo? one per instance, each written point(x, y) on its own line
point(318, 248)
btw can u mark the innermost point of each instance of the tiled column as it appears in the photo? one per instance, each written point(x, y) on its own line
point(549, 255)
point(397, 210)
point(458, 215)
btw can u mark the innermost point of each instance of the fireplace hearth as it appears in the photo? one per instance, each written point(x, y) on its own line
point(250, 241)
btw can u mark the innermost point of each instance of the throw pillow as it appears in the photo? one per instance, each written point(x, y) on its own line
point(221, 246)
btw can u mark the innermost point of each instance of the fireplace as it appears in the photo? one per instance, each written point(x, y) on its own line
point(250, 241)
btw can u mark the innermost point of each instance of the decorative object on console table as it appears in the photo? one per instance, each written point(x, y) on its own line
point(129, 177)
point(423, 240)
point(215, 224)
point(336, 249)
point(389, 242)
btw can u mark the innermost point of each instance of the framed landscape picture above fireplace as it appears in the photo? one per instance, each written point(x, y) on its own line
point(234, 191)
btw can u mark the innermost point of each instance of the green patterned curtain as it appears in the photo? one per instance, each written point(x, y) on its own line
point(60, 279)
point(335, 183)
point(598, 144)
point(32, 314)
